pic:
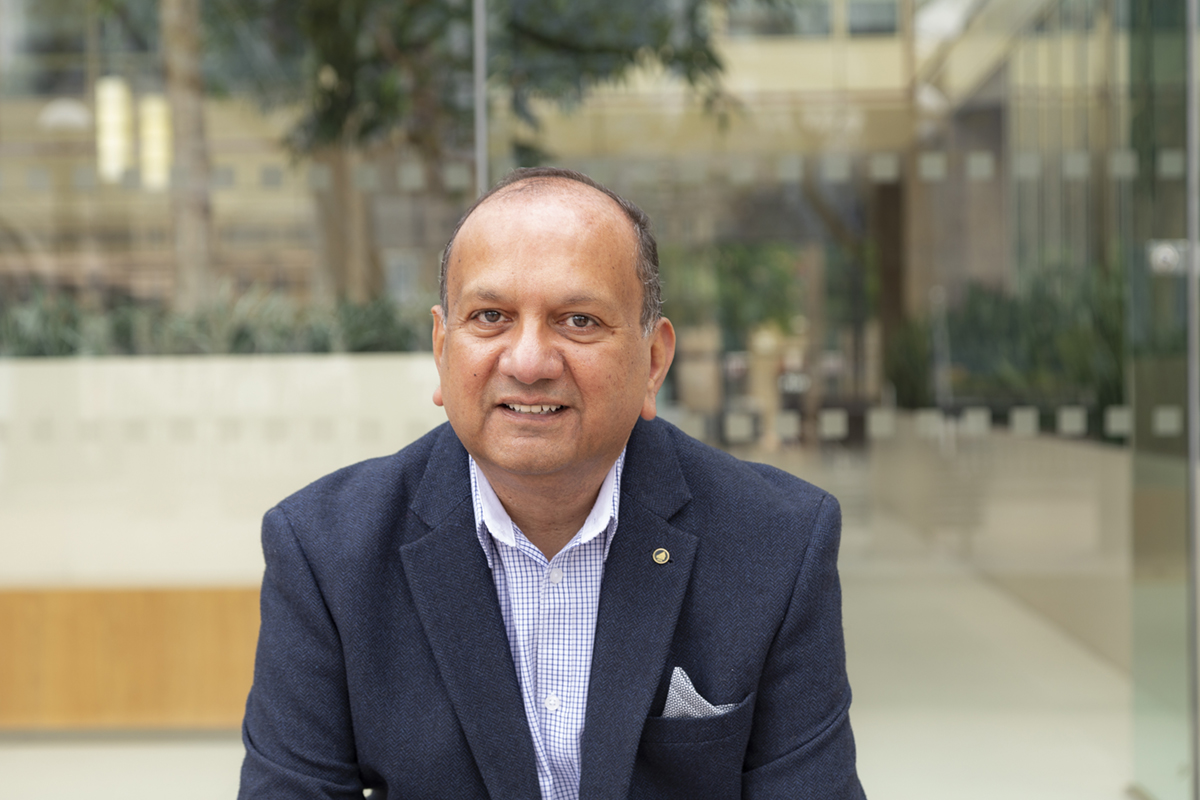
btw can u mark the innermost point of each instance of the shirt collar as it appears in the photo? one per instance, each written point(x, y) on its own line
point(493, 522)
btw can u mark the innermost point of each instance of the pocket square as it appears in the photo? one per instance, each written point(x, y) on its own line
point(684, 702)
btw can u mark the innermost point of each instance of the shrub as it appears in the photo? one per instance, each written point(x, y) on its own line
point(56, 324)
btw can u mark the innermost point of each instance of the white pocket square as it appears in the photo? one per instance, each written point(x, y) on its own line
point(683, 701)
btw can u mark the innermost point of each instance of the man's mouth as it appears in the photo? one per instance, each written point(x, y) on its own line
point(535, 409)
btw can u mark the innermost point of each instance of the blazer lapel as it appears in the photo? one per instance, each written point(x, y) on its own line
point(640, 603)
point(455, 597)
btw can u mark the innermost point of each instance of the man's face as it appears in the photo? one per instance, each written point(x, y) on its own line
point(544, 369)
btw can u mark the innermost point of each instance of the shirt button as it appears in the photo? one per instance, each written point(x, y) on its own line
point(556, 575)
point(552, 702)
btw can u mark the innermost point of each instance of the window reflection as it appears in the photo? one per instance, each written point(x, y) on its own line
point(907, 258)
point(749, 18)
point(871, 18)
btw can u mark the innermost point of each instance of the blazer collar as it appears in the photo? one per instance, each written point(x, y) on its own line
point(651, 475)
point(461, 618)
point(640, 601)
point(446, 482)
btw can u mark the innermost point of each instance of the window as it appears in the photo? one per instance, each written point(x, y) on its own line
point(871, 17)
point(779, 18)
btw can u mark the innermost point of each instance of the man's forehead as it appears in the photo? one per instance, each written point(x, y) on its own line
point(562, 192)
point(576, 212)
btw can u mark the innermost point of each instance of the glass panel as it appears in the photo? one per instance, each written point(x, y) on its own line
point(1157, 324)
point(758, 18)
point(930, 308)
point(920, 265)
point(871, 18)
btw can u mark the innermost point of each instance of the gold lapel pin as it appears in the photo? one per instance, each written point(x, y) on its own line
point(661, 556)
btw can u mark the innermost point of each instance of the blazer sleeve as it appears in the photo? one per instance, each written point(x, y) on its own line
point(297, 729)
point(801, 745)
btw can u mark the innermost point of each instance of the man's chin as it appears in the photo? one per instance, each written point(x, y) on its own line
point(525, 456)
point(531, 465)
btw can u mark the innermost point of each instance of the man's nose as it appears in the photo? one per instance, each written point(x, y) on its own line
point(531, 355)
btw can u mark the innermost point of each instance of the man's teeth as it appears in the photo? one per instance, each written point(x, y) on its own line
point(532, 409)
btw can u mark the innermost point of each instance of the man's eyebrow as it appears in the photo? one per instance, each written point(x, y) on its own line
point(483, 293)
point(579, 300)
point(488, 295)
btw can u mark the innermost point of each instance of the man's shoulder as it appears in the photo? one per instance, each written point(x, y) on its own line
point(369, 493)
point(746, 518)
point(721, 481)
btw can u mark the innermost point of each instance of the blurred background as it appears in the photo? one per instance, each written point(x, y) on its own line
point(924, 253)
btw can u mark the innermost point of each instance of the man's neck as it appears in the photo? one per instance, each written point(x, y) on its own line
point(548, 511)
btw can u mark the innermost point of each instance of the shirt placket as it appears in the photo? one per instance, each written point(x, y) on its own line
point(550, 609)
point(521, 565)
point(553, 668)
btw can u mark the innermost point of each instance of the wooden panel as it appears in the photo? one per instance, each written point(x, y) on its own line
point(126, 658)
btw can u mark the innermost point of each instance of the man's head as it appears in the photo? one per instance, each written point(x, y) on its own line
point(647, 247)
point(543, 349)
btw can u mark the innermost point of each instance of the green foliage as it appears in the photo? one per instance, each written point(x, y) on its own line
point(48, 325)
point(558, 49)
point(689, 283)
point(256, 322)
point(851, 286)
point(756, 284)
point(907, 364)
point(377, 327)
point(365, 71)
point(739, 286)
point(1059, 339)
point(367, 68)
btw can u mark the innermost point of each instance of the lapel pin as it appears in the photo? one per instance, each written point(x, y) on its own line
point(661, 556)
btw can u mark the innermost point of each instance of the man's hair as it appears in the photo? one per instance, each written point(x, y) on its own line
point(646, 257)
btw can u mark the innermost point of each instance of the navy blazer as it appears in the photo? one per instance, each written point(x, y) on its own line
point(383, 661)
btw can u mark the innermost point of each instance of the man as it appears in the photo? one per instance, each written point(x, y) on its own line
point(553, 595)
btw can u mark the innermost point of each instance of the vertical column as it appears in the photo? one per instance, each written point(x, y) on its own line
point(479, 23)
point(1192, 284)
point(1164, 618)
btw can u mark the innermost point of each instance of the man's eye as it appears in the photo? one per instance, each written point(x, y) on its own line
point(490, 316)
point(580, 321)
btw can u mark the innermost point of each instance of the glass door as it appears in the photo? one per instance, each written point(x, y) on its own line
point(909, 259)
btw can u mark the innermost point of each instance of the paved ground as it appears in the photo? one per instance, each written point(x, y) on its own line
point(978, 672)
point(960, 692)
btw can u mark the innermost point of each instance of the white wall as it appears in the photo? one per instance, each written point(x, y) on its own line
point(156, 471)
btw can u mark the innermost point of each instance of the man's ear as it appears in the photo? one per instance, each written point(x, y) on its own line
point(662, 353)
point(439, 342)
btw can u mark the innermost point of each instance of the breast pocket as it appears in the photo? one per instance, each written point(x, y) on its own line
point(694, 758)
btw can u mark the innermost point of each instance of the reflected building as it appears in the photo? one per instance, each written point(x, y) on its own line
point(906, 248)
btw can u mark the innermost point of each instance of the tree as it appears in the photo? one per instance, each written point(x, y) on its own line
point(368, 77)
point(190, 204)
point(371, 75)
point(175, 32)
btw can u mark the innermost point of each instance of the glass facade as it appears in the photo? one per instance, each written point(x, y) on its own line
point(926, 255)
